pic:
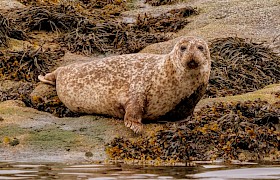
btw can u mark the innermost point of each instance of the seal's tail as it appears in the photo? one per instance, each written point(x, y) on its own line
point(48, 78)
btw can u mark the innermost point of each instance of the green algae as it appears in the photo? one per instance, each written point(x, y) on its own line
point(11, 131)
point(54, 138)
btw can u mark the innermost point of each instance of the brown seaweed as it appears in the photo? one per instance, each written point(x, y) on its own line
point(240, 65)
point(171, 21)
point(89, 4)
point(107, 37)
point(160, 2)
point(119, 37)
point(98, 28)
point(27, 64)
point(3, 31)
point(62, 17)
point(19, 91)
point(224, 130)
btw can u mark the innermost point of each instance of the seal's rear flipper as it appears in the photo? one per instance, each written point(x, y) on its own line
point(48, 78)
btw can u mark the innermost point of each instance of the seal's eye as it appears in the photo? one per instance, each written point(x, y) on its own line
point(201, 48)
point(183, 48)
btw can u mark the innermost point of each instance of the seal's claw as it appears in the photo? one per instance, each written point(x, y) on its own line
point(139, 128)
point(134, 126)
point(127, 123)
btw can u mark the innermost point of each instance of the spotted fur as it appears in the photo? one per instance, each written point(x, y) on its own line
point(137, 86)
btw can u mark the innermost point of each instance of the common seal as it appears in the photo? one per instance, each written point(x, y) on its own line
point(137, 86)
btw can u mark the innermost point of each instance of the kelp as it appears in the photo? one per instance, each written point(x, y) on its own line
point(120, 38)
point(18, 91)
point(96, 26)
point(102, 3)
point(56, 18)
point(27, 64)
point(240, 65)
point(171, 21)
point(225, 131)
point(107, 37)
point(3, 31)
point(160, 2)
point(6, 31)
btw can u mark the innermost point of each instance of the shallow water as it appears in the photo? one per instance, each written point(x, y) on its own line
point(25, 170)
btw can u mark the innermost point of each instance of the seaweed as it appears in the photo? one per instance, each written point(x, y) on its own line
point(119, 37)
point(3, 31)
point(7, 31)
point(55, 18)
point(171, 21)
point(99, 4)
point(240, 66)
point(107, 37)
point(27, 64)
point(19, 91)
point(223, 130)
point(38, 2)
point(160, 2)
point(96, 26)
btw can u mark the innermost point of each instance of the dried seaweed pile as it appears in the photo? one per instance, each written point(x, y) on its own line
point(240, 66)
point(102, 3)
point(7, 31)
point(62, 17)
point(227, 131)
point(160, 2)
point(118, 37)
point(171, 21)
point(38, 2)
point(107, 37)
point(18, 91)
point(91, 26)
point(3, 31)
point(26, 65)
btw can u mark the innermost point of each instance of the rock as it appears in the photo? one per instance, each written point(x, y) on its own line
point(42, 92)
point(9, 4)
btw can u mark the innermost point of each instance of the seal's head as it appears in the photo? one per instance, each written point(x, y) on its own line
point(191, 53)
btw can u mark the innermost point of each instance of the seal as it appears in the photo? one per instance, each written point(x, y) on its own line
point(137, 86)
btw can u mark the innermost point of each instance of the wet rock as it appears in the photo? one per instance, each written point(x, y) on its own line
point(9, 4)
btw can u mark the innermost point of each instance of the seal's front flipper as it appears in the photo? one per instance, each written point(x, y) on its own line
point(133, 116)
point(48, 78)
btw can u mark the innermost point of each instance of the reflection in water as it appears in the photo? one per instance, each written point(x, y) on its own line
point(246, 173)
point(15, 170)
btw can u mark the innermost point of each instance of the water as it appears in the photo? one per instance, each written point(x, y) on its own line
point(25, 170)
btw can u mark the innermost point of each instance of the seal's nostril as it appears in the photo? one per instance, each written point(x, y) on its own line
point(183, 48)
point(201, 48)
point(192, 64)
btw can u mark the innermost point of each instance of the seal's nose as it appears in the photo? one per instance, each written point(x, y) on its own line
point(194, 55)
point(192, 64)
